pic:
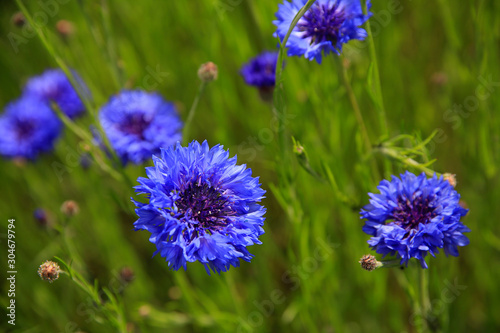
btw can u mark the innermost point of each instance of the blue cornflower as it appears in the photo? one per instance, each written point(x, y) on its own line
point(40, 216)
point(54, 86)
point(28, 127)
point(202, 207)
point(260, 70)
point(413, 216)
point(324, 27)
point(138, 123)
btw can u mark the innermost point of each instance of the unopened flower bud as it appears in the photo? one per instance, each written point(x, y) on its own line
point(439, 78)
point(65, 28)
point(49, 271)
point(174, 292)
point(18, 19)
point(70, 208)
point(144, 310)
point(85, 160)
point(208, 72)
point(298, 148)
point(369, 262)
point(450, 178)
point(300, 152)
point(127, 275)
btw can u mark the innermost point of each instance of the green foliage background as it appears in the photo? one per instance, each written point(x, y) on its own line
point(431, 56)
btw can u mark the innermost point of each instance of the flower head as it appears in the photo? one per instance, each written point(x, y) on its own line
point(260, 70)
point(202, 207)
point(138, 123)
point(413, 216)
point(54, 86)
point(28, 127)
point(326, 26)
point(41, 217)
point(70, 208)
point(49, 271)
point(19, 19)
point(208, 72)
point(369, 262)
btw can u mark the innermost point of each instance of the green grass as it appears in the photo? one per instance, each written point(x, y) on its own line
point(430, 55)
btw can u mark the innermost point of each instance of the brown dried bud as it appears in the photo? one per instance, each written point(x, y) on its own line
point(174, 292)
point(369, 262)
point(127, 274)
point(70, 208)
point(450, 178)
point(439, 78)
point(208, 72)
point(65, 28)
point(49, 271)
point(144, 310)
point(18, 19)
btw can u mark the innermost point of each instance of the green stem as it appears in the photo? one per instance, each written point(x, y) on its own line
point(424, 297)
point(377, 86)
point(96, 153)
point(110, 43)
point(189, 120)
point(234, 293)
point(361, 122)
point(278, 97)
point(56, 57)
point(449, 25)
point(357, 111)
point(72, 79)
point(187, 292)
point(412, 295)
point(407, 161)
point(382, 117)
point(113, 310)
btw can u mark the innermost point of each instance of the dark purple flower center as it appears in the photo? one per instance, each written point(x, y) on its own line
point(53, 94)
point(135, 124)
point(206, 205)
point(24, 129)
point(410, 213)
point(322, 23)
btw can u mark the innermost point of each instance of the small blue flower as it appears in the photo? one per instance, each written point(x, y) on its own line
point(138, 123)
point(54, 86)
point(40, 216)
point(326, 26)
point(413, 216)
point(202, 207)
point(28, 127)
point(260, 71)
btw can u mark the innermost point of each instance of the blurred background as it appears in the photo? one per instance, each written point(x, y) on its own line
point(437, 62)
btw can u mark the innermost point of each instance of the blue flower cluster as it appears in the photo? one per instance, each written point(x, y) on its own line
point(138, 124)
point(202, 207)
point(54, 86)
point(29, 126)
point(413, 216)
point(325, 27)
point(260, 71)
